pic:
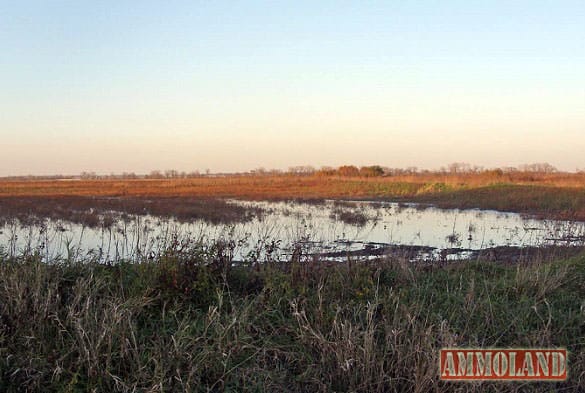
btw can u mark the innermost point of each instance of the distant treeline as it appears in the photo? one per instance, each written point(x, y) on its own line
point(459, 168)
point(454, 168)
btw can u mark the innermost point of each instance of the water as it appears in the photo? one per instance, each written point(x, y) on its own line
point(331, 229)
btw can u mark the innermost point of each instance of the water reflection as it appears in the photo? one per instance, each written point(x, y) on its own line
point(332, 230)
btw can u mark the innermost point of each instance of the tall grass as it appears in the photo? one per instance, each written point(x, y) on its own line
point(190, 321)
point(558, 195)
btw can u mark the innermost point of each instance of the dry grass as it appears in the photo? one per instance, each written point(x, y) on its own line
point(190, 321)
point(286, 186)
point(558, 195)
point(105, 211)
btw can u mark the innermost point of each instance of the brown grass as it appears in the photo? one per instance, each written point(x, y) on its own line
point(190, 322)
point(283, 186)
point(104, 211)
point(559, 195)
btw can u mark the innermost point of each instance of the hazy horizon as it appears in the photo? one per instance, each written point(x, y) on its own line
point(114, 87)
point(462, 167)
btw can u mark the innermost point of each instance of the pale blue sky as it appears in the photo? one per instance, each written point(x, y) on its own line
point(112, 86)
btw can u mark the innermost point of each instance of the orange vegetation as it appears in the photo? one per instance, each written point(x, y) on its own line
point(285, 186)
point(555, 195)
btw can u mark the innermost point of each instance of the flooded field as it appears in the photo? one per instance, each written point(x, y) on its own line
point(329, 230)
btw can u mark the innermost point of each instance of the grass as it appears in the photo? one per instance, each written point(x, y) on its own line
point(105, 211)
point(559, 195)
point(190, 321)
point(537, 200)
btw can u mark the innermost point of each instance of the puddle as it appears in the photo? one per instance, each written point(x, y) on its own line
point(333, 230)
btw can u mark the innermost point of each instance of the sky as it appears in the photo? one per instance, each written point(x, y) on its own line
point(135, 86)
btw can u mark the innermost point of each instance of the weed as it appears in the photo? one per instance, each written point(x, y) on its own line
point(190, 321)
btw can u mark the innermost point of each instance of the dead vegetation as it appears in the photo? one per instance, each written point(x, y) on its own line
point(548, 195)
point(104, 211)
point(190, 321)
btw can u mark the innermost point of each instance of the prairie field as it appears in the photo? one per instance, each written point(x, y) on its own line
point(550, 195)
point(292, 196)
point(108, 285)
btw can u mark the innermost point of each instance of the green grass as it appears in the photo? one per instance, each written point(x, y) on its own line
point(192, 322)
point(542, 201)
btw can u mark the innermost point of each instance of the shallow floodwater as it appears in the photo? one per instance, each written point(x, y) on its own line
point(328, 229)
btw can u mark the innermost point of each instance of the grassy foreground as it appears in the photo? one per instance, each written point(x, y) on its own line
point(192, 322)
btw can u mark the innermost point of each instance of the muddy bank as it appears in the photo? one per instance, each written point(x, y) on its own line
point(506, 254)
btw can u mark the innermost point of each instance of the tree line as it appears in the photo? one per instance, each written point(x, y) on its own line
point(456, 168)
